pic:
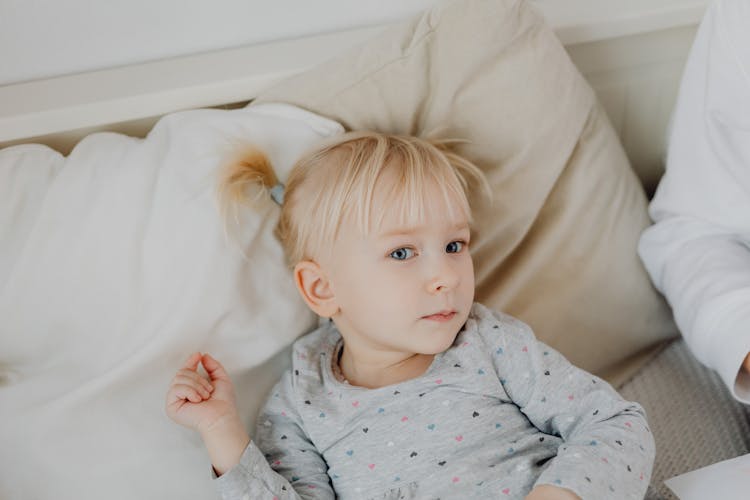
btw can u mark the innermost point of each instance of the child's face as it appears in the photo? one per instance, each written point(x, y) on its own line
point(404, 290)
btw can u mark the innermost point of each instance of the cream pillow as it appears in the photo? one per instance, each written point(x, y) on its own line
point(114, 266)
point(558, 246)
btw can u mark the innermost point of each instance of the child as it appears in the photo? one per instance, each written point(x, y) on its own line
point(411, 390)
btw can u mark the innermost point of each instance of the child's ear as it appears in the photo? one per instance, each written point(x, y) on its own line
point(315, 288)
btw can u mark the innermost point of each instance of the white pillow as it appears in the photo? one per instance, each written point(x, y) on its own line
point(114, 266)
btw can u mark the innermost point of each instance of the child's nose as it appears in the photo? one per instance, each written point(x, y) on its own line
point(444, 277)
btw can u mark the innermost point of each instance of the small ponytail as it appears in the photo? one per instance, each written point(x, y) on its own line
point(249, 170)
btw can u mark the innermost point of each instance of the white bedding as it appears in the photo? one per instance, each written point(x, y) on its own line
point(114, 266)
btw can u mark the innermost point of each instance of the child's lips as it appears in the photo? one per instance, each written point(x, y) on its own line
point(441, 316)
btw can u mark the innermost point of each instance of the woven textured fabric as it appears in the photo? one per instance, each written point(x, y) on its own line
point(695, 420)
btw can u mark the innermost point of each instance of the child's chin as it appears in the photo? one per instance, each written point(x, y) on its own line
point(441, 345)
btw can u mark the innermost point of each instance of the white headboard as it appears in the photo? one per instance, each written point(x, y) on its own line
point(631, 52)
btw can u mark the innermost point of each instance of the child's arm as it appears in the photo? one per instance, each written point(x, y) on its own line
point(208, 406)
point(546, 492)
point(608, 450)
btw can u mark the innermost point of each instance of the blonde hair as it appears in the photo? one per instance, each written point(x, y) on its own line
point(339, 179)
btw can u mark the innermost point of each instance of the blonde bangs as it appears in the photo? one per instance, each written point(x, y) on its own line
point(409, 177)
point(355, 169)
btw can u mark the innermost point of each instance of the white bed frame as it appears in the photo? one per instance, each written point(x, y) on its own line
point(631, 51)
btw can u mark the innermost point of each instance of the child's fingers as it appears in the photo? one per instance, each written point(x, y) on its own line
point(185, 392)
point(192, 362)
point(194, 375)
point(194, 380)
point(214, 369)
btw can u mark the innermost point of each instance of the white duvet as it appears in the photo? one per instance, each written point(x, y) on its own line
point(114, 266)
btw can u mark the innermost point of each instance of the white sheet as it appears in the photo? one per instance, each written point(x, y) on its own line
point(726, 480)
point(114, 266)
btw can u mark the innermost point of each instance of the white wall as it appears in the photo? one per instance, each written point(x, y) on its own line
point(46, 38)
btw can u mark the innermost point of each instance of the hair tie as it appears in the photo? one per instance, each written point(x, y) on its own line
point(277, 193)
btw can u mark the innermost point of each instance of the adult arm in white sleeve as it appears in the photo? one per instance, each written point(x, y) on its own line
point(698, 250)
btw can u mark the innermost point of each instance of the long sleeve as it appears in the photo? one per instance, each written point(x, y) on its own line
point(284, 464)
point(607, 450)
point(698, 250)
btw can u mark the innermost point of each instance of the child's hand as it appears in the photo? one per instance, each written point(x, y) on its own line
point(546, 492)
point(208, 407)
point(198, 403)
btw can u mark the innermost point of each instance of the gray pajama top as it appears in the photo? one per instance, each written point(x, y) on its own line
point(496, 414)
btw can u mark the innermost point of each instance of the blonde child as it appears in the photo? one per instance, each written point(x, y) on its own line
point(412, 390)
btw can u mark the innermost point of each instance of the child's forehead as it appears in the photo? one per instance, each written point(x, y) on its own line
point(386, 232)
point(392, 194)
point(399, 200)
point(402, 213)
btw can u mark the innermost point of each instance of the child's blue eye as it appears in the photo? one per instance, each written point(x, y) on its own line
point(402, 253)
point(454, 246)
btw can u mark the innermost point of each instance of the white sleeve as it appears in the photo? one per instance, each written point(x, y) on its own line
point(698, 250)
